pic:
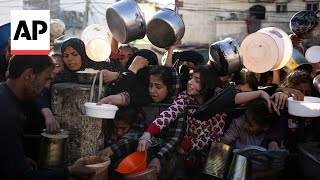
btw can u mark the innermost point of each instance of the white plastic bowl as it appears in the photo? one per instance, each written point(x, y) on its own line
point(104, 111)
point(310, 107)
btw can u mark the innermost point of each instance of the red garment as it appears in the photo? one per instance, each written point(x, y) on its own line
point(198, 133)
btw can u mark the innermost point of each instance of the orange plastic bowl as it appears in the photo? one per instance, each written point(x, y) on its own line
point(134, 163)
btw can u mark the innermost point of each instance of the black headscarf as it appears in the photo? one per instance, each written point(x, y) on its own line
point(68, 75)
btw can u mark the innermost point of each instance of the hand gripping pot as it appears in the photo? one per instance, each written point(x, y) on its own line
point(165, 28)
point(126, 21)
point(104, 111)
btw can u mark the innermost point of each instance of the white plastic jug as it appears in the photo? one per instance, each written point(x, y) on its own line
point(97, 40)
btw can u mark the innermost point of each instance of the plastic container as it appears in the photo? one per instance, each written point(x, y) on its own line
point(104, 111)
point(310, 107)
point(313, 54)
point(132, 164)
point(97, 40)
point(100, 165)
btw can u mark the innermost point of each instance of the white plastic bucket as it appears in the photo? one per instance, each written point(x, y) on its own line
point(97, 40)
point(268, 49)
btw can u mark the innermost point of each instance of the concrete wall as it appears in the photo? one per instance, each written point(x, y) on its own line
point(207, 21)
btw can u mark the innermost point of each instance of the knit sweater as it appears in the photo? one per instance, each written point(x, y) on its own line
point(199, 133)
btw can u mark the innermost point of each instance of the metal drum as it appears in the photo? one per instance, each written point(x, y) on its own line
point(53, 149)
point(218, 160)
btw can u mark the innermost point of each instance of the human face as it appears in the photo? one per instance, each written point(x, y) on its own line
point(252, 127)
point(121, 127)
point(243, 88)
point(188, 63)
point(35, 87)
point(72, 58)
point(125, 54)
point(194, 85)
point(157, 89)
point(58, 65)
point(304, 88)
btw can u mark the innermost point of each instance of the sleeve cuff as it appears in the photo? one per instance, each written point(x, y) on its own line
point(153, 129)
point(186, 144)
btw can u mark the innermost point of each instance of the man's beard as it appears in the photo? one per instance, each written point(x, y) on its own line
point(31, 92)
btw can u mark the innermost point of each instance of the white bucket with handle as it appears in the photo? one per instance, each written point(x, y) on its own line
point(97, 40)
point(104, 111)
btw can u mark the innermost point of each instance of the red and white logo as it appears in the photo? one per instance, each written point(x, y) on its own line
point(30, 32)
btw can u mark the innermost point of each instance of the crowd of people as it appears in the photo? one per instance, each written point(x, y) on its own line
point(176, 141)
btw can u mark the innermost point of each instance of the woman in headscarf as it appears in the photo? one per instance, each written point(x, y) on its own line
point(132, 84)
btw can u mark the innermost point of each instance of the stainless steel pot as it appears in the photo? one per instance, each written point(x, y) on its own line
point(240, 168)
point(218, 160)
point(126, 21)
point(316, 82)
point(225, 56)
point(165, 28)
point(53, 149)
point(305, 24)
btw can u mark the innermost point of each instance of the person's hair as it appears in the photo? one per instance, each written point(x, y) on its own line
point(209, 80)
point(19, 63)
point(126, 46)
point(257, 110)
point(246, 77)
point(165, 74)
point(127, 114)
point(297, 77)
point(145, 53)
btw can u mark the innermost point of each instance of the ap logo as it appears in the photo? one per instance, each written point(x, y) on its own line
point(30, 32)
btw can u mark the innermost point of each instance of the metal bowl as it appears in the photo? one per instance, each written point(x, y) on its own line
point(85, 77)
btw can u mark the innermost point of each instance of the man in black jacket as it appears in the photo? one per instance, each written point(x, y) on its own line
point(27, 78)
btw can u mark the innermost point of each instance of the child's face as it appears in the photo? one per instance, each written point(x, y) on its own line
point(304, 88)
point(243, 88)
point(157, 89)
point(121, 127)
point(252, 127)
point(194, 85)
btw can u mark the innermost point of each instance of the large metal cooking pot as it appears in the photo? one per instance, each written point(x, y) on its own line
point(165, 28)
point(218, 160)
point(225, 56)
point(53, 149)
point(305, 24)
point(126, 21)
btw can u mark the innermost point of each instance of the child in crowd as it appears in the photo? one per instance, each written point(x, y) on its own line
point(126, 52)
point(250, 128)
point(199, 134)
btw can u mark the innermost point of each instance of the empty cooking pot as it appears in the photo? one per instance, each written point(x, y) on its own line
point(316, 82)
point(225, 56)
point(240, 168)
point(218, 160)
point(126, 21)
point(305, 24)
point(165, 28)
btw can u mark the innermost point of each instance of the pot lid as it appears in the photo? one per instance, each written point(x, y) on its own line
point(61, 135)
point(313, 54)
point(260, 52)
point(303, 21)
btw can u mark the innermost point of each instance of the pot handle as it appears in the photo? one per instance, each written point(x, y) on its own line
point(140, 19)
point(175, 7)
point(234, 46)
